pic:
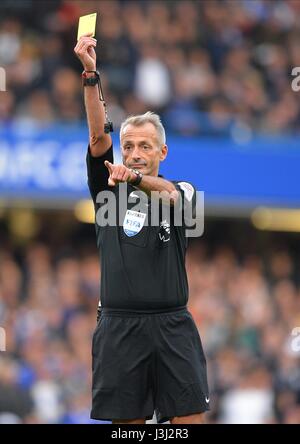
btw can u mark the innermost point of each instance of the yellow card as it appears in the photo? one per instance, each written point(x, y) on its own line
point(87, 25)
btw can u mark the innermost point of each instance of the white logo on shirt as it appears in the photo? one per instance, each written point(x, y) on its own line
point(164, 232)
point(133, 222)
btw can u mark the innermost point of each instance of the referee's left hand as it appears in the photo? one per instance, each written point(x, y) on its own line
point(118, 173)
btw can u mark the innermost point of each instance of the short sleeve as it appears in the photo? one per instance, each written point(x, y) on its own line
point(188, 198)
point(97, 172)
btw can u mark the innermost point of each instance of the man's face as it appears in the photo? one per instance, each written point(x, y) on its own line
point(140, 149)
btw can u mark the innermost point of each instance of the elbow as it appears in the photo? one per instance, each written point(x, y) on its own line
point(174, 196)
point(95, 139)
point(98, 145)
point(169, 197)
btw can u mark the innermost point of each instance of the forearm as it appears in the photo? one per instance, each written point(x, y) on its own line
point(167, 189)
point(85, 51)
point(95, 114)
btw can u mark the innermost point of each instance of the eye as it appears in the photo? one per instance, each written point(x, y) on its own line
point(146, 147)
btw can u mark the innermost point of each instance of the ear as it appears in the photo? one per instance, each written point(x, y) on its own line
point(163, 153)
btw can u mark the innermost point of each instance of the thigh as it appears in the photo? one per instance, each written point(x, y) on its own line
point(121, 363)
point(120, 352)
point(181, 369)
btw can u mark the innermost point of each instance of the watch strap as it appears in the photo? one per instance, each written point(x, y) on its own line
point(90, 81)
point(138, 179)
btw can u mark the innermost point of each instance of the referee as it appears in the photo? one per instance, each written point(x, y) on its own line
point(147, 353)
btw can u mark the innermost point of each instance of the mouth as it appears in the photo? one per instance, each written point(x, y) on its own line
point(138, 166)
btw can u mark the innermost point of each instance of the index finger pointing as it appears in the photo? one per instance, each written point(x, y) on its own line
point(108, 165)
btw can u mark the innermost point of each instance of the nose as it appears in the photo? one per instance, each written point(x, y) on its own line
point(136, 154)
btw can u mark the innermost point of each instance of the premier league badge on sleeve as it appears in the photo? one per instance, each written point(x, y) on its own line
point(133, 222)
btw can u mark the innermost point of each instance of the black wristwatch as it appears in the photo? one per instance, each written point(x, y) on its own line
point(90, 81)
point(138, 179)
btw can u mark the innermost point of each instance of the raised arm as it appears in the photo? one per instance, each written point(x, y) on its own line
point(99, 141)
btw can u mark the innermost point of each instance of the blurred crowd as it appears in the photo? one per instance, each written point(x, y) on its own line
point(209, 67)
point(246, 307)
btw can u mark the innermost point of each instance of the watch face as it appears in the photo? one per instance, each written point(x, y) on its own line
point(139, 177)
point(138, 173)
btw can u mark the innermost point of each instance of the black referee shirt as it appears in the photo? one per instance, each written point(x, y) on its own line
point(142, 271)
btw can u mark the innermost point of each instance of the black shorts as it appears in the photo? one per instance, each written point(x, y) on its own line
point(146, 362)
